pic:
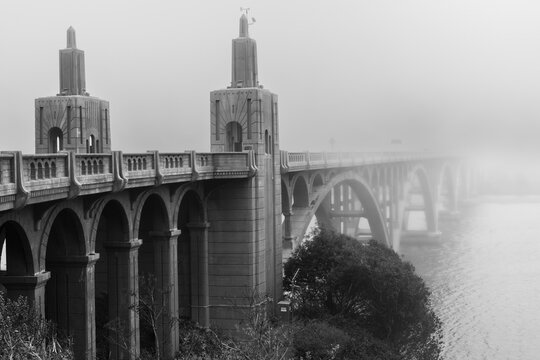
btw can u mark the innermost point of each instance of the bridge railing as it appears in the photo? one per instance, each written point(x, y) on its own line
point(36, 178)
point(296, 161)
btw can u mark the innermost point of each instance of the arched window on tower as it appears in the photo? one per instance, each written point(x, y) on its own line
point(56, 140)
point(91, 144)
point(266, 142)
point(234, 137)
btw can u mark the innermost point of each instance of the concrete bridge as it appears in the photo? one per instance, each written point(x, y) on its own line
point(81, 226)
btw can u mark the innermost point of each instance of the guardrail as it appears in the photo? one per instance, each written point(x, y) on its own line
point(298, 161)
point(27, 179)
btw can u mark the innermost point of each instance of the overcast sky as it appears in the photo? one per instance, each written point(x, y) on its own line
point(429, 72)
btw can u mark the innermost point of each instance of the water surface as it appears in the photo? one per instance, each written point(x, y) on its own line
point(484, 274)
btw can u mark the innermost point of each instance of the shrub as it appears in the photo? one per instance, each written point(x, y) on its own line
point(26, 335)
point(319, 340)
point(368, 284)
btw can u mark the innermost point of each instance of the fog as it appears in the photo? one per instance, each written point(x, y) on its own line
point(458, 75)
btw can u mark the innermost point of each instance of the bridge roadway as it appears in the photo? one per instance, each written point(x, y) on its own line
point(79, 230)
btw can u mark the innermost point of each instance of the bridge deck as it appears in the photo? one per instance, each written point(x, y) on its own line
point(28, 179)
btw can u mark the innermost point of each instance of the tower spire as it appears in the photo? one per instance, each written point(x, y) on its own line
point(244, 26)
point(72, 74)
point(71, 40)
point(244, 58)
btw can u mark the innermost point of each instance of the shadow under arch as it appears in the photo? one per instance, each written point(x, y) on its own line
point(14, 245)
point(16, 261)
point(300, 193)
point(157, 274)
point(364, 194)
point(114, 296)
point(66, 300)
point(192, 258)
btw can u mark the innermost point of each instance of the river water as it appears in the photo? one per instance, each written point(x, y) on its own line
point(484, 274)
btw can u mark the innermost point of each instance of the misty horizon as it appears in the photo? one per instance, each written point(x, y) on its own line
point(425, 75)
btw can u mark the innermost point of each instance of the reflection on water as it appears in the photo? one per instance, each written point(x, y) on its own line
point(484, 274)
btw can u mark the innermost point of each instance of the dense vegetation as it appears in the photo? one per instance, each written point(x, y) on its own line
point(25, 335)
point(365, 291)
point(350, 300)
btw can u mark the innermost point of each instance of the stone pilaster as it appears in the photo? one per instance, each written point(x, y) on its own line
point(123, 290)
point(31, 286)
point(200, 308)
point(166, 273)
point(74, 277)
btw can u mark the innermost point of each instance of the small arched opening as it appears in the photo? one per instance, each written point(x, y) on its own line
point(234, 137)
point(56, 140)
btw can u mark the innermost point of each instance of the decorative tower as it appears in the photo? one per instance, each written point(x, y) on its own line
point(244, 117)
point(72, 120)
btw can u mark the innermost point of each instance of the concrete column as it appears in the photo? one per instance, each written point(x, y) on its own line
point(123, 292)
point(75, 293)
point(166, 272)
point(287, 242)
point(200, 310)
point(31, 286)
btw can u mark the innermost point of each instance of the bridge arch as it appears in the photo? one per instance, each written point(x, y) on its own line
point(419, 173)
point(316, 181)
point(300, 193)
point(113, 294)
point(15, 252)
point(158, 196)
point(71, 276)
point(157, 270)
point(446, 192)
point(192, 257)
point(363, 192)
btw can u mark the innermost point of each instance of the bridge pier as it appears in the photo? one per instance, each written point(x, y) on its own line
point(70, 300)
point(200, 297)
point(166, 274)
point(30, 286)
point(123, 296)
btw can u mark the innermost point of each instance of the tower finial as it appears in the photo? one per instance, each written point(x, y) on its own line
point(244, 30)
point(71, 40)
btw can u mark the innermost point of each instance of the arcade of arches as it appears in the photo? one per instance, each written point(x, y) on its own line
point(86, 267)
point(86, 262)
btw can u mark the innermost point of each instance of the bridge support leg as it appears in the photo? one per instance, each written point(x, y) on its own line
point(166, 273)
point(123, 295)
point(71, 301)
point(200, 310)
point(32, 287)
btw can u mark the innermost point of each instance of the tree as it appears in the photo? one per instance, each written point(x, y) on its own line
point(369, 285)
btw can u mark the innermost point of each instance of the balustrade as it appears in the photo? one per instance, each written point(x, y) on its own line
point(43, 177)
point(42, 167)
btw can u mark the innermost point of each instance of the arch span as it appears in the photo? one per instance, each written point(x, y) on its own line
point(301, 219)
point(192, 259)
point(300, 193)
point(417, 184)
point(71, 277)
